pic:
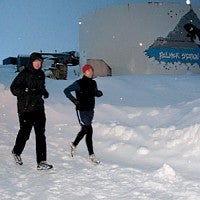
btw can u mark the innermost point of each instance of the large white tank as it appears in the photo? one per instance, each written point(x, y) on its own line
point(143, 38)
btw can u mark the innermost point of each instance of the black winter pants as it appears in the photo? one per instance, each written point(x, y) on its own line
point(85, 119)
point(87, 131)
point(36, 119)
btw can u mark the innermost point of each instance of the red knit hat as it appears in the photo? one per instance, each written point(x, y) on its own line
point(86, 67)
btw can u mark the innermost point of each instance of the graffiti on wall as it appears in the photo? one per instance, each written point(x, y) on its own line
point(181, 46)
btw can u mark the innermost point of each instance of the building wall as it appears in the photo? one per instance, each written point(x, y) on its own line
point(141, 38)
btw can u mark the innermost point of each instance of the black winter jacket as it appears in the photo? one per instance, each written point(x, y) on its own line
point(86, 90)
point(86, 94)
point(29, 87)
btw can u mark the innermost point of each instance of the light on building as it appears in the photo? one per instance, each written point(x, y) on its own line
point(80, 23)
point(141, 44)
point(188, 2)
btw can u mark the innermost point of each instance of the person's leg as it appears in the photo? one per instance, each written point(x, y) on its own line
point(79, 136)
point(88, 139)
point(39, 126)
point(86, 118)
point(26, 123)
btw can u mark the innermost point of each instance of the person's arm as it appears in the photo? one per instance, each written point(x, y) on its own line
point(17, 87)
point(45, 93)
point(97, 93)
point(72, 88)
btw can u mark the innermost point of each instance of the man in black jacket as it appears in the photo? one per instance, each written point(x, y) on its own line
point(86, 90)
point(29, 88)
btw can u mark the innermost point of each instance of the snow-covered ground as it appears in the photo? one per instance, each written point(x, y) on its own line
point(146, 133)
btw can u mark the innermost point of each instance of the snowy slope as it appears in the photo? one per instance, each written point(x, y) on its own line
point(146, 133)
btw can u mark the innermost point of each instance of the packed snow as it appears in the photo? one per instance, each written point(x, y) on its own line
point(146, 135)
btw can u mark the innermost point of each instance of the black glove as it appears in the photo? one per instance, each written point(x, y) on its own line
point(76, 102)
point(45, 94)
point(98, 93)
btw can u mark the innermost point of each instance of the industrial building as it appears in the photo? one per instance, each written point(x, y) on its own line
point(55, 64)
point(142, 38)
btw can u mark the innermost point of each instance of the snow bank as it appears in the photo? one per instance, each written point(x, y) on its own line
point(146, 133)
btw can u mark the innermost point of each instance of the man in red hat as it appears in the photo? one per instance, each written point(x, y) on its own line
point(86, 90)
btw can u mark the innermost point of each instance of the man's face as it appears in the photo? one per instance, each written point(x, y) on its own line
point(89, 73)
point(37, 64)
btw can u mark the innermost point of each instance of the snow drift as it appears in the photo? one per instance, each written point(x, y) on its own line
point(146, 133)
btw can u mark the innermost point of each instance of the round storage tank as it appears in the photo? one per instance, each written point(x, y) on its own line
point(143, 38)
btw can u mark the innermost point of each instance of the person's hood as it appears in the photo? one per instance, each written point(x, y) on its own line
point(34, 56)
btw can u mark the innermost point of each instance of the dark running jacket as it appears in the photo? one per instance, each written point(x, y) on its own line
point(86, 90)
point(29, 87)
